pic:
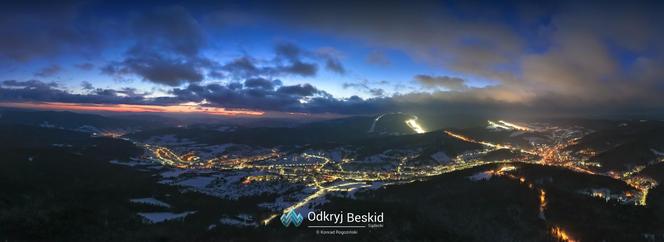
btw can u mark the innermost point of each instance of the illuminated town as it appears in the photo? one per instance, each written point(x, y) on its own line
point(302, 179)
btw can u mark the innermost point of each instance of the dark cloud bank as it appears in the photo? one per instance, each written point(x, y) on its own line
point(260, 94)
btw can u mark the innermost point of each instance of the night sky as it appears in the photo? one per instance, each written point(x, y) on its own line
point(333, 58)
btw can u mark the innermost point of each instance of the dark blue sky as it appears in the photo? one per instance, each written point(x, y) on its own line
point(336, 57)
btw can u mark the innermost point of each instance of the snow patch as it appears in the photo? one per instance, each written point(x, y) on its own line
point(173, 173)
point(46, 124)
point(163, 216)
point(88, 129)
point(657, 152)
point(150, 201)
point(481, 176)
point(130, 163)
point(517, 133)
point(197, 182)
point(440, 156)
point(241, 220)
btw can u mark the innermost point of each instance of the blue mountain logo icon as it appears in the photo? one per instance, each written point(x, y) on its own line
point(291, 217)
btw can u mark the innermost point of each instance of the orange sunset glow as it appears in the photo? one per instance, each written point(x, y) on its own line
point(132, 108)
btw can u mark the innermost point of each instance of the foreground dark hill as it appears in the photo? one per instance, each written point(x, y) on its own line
point(452, 207)
point(59, 185)
point(71, 192)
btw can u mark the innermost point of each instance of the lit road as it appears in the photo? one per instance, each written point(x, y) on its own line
point(320, 172)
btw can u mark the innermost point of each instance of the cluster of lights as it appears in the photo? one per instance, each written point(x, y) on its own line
point(560, 234)
point(412, 123)
point(507, 126)
point(316, 173)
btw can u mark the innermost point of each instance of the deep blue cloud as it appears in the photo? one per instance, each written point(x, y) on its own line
point(38, 91)
point(156, 68)
point(261, 83)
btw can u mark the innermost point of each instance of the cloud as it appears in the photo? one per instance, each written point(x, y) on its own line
point(364, 86)
point(295, 55)
point(289, 60)
point(157, 68)
point(249, 67)
point(162, 44)
point(85, 66)
point(331, 57)
point(244, 67)
point(29, 84)
point(289, 51)
point(426, 30)
point(261, 83)
point(594, 58)
point(169, 28)
point(378, 58)
point(377, 92)
point(335, 66)
point(31, 90)
point(446, 82)
point(39, 91)
point(86, 85)
point(301, 90)
point(299, 68)
point(57, 29)
point(560, 55)
point(309, 99)
point(259, 94)
point(49, 71)
point(166, 49)
point(216, 75)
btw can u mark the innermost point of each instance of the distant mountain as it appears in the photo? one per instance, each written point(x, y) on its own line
point(320, 132)
point(392, 124)
point(76, 121)
point(149, 118)
point(24, 136)
point(612, 136)
point(625, 145)
point(429, 144)
point(337, 131)
point(512, 137)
